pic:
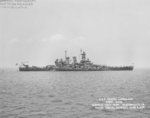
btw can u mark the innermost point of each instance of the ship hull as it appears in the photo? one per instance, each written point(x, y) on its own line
point(79, 69)
point(34, 69)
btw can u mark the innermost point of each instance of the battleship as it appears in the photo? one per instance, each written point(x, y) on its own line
point(73, 65)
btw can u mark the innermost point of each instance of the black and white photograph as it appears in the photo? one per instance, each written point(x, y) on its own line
point(74, 59)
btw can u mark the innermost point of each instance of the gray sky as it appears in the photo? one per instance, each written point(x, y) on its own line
point(112, 32)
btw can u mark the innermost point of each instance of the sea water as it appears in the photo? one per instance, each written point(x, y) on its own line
point(71, 94)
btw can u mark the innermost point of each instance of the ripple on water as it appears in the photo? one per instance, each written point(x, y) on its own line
point(81, 104)
point(34, 114)
point(68, 103)
point(56, 101)
point(51, 96)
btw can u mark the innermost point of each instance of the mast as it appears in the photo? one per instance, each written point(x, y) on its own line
point(80, 54)
point(65, 54)
point(80, 51)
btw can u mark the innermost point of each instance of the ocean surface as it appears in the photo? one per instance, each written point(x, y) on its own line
point(71, 94)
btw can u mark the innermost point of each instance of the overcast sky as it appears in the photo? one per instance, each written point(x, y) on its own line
point(112, 32)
